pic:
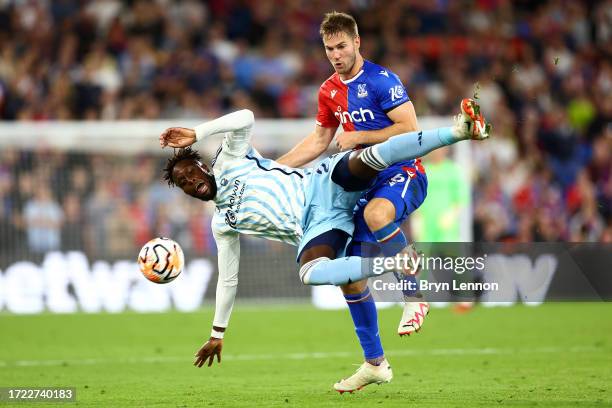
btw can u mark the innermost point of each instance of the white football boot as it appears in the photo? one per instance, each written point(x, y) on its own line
point(413, 317)
point(470, 123)
point(365, 374)
point(415, 307)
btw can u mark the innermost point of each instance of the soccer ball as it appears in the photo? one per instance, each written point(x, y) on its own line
point(161, 260)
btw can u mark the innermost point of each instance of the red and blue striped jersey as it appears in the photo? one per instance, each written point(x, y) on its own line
point(362, 102)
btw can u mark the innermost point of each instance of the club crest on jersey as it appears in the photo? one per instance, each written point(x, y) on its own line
point(361, 91)
point(333, 93)
point(397, 92)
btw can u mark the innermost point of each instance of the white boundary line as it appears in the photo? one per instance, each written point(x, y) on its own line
point(302, 356)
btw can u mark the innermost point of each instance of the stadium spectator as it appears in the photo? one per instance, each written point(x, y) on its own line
point(43, 218)
point(121, 234)
point(72, 228)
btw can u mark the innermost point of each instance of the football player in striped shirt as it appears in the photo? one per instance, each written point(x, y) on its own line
point(310, 208)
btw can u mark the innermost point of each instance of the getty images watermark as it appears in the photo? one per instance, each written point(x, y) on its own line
point(493, 272)
point(409, 264)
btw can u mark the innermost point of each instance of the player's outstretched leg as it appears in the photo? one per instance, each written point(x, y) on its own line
point(469, 124)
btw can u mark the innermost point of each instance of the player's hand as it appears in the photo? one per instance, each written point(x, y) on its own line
point(347, 140)
point(208, 351)
point(177, 137)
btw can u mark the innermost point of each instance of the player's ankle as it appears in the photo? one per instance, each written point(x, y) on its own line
point(375, 361)
point(459, 133)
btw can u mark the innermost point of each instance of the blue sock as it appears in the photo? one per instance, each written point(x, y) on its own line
point(407, 146)
point(392, 240)
point(365, 319)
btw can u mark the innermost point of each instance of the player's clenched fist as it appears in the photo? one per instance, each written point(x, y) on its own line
point(208, 351)
point(177, 137)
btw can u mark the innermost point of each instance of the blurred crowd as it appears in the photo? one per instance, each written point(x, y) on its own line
point(541, 70)
point(104, 205)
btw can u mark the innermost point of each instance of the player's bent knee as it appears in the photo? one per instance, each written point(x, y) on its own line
point(379, 213)
point(354, 288)
point(306, 270)
point(344, 177)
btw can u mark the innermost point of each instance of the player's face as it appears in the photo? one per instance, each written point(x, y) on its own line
point(195, 179)
point(341, 50)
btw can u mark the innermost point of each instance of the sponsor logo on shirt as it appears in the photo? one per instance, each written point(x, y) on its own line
point(361, 115)
point(333, 93)
point(397, 92)
point(235, 200)
point(385, 73)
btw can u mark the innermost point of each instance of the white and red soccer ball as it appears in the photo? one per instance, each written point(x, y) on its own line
point(161, 260)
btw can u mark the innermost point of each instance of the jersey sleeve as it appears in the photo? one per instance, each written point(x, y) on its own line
point(236, 144)
point(228, 255)
point(325, 116)
point(390, 91)
point(237, 129)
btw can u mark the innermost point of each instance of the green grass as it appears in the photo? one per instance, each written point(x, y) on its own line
point(556, 355)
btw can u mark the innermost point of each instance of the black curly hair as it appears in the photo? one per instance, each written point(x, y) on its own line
point(182, 154)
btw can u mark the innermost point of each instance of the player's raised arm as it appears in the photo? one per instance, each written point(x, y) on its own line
point(177, 137)
point(183, 137)
point(228, 253)
point(231, 122)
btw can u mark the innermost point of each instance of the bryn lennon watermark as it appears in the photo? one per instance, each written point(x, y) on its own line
point(437, 287)
point(443, 274)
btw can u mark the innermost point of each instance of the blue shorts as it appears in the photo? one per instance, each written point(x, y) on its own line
point(327, 206)
point(403, 185)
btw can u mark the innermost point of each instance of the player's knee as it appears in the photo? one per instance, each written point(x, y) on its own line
point(379, 213)
point(307, 269)
point(344, 177)
point(354, 288)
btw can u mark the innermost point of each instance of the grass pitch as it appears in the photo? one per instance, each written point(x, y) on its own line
point(556, 355)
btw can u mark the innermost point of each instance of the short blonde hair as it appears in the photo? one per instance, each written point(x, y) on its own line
point(336, 22)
